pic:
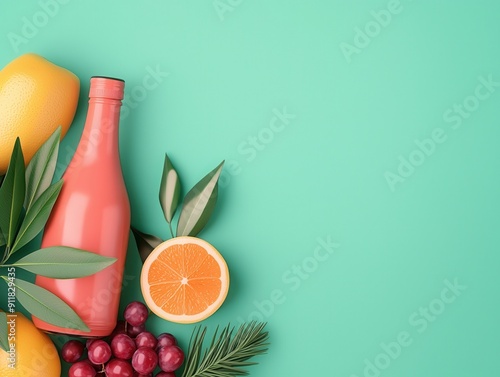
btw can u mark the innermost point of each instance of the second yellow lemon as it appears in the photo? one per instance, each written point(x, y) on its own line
point(34, 354)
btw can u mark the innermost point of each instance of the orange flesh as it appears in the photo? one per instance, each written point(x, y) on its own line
point(184, 279)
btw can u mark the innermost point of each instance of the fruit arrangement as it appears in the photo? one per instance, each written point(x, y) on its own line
point(188, 269)
point(184, 279)
point(130, 350)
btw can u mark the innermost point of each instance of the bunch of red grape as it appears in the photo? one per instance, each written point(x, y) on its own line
point(130, 351)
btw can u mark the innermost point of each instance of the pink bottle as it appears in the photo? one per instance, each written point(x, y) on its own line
point(93, 213)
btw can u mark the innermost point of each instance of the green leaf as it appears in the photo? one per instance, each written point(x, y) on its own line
point(37, 216)
point(12, 195)
point(170, 190)
point(199, 204)
point(145, 243)
point(41, 168)
point(4, 331)
point(2, 238)
point(61, 262)
point(47, 306)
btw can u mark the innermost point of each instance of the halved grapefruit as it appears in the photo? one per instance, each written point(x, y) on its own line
point(184, 280)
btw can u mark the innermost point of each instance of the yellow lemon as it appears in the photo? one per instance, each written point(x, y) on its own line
point(36, 97)
point(32, 353)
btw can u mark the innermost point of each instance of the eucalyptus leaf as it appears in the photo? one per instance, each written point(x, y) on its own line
point(47, 306)
point(12, 195)
point(170, 190)
point(199, 204)
point(37, 216)
point(41, 168)
point(145, 243)
point(61, 262)
point(4, 331)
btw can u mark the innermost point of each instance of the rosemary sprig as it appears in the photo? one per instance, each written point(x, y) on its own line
point(227, 355)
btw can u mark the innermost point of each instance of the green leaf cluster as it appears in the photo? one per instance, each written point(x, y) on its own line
point(197, 207)
point(27, 196)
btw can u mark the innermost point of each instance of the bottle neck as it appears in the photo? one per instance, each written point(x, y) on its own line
point(100, 134)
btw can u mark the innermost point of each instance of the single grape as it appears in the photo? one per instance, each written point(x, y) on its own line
point(133, 331)
point(72, 351)
point(165, 374)
point(123, 346)
point(81, 369)
point(89, 342)
point(170, 358)
point(136, 313)
point(145, 339)
point(166, 339)
point(119, 368)
point(99, 352)
point(144, 360)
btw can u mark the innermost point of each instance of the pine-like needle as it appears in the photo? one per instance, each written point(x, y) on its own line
point(228, 355)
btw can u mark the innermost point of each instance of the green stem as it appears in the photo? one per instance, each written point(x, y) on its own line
point(6, 255)
point(171, 231)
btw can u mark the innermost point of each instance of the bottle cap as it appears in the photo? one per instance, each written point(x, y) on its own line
point(106, 87)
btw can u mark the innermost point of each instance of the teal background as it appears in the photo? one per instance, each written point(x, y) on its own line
point(323, 175)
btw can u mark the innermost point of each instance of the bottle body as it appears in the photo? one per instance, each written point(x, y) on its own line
point(92, 213)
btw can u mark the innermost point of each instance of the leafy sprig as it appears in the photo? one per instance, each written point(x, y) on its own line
point(228, 354)
point(27, 196)
point(230, 351)
point(197, 206)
